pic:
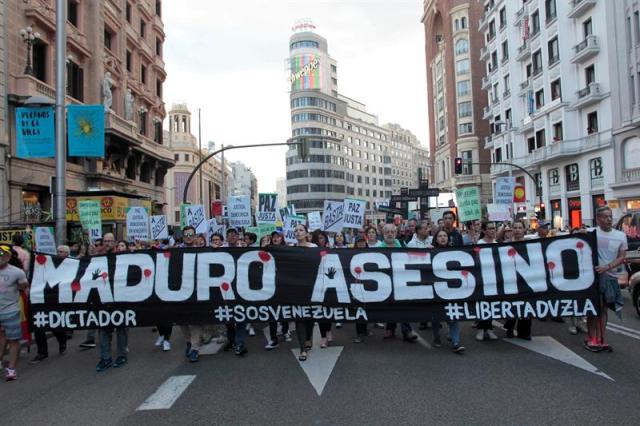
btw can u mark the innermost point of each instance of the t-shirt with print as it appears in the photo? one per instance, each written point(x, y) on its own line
point(10, 276)
point(609, 245)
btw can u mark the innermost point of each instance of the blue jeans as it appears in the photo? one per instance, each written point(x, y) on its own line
point(236, 333)
point(454, 331)
point(122, 340)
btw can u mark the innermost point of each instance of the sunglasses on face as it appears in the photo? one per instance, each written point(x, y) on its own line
point(189, 234)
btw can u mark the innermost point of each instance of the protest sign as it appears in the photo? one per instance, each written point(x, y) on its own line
point(159, 227)
point(315, 221)
point(35, 133)
point(499, 212)
point(354, 213)
point(527, 279)
point(137, 224)
point(468, 200)
point(90, 219)
point(214, 228)
point(289, 226)
point(193, 215)
point(436, 214)
point(267, 208)
point(504, 190)
point(239, 208)
point(45, 240)
point(85, 132)
point(333, 216)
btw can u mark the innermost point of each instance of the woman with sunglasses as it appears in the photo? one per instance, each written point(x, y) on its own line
point(488, 236)
point(304, 329)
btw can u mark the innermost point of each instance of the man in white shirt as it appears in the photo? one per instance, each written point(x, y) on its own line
point(421, 239)
point(612, 247)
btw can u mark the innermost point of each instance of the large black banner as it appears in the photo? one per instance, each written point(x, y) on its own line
point(535, 278)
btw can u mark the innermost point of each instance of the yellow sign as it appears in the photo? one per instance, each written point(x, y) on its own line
point(112, 208)
point(6, 236)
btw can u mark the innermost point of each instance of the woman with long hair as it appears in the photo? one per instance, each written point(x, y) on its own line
point(275, 239)
point(321, 239)
point(339, 241)
point(523, 324)
point(488, 236)
point(372, 236)
point(304, 329)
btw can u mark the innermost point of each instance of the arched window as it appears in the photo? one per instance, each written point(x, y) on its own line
point(631, 149)
point(462, 46)
point(456, 25)
point(463, 23)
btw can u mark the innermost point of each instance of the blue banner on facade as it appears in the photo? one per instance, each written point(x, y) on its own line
point(35, 133)
point(85, 127)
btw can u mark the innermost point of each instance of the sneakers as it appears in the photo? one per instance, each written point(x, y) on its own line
point(379, 325)
point(166, 346)
point(582, 328)
point(251, 330)
point(103, 365)
point(240, 351)
point(159, 341)
point(338, 325)
point(458, 349)
point(120, 361)
point(10, 374)
point(480, 335)
point(38, 358)
point(491, 334)
point(271, 345)
point(573, 330)
point(437, 342)
point(410, 337)
point(88, 344)
point(287, 337)
point(194, 356)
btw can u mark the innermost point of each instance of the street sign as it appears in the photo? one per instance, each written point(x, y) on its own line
point(424, 192)
point(403, 198)
point(390, 210)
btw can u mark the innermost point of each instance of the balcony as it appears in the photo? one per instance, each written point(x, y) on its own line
point(486, 113)
point(506, 93)
point(488, 142)
point(586, 49)
point(526, 124)
point(121, 127)
point(467, 180)
point(484, 53)
point(568, 148)
point(520, 13)
point(524, 52)
point(498, 169)
point(578, 7)
point(494, 100)
point(524, 87)
point(588, 96)
point(486, 82)
point(482, 23)
point(630, 175)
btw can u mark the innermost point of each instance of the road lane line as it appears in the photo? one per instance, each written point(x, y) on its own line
point(630, 330)
point(167, 394)
point(617, 331)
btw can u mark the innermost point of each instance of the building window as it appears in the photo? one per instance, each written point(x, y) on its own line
point(540, 138)
point(572, 174)
point(143, 123)
point(597, 172)
point(108, 39)
point(632, 153)
point(39, 59)
point(158, 8)
point(157, 131)
point(556, 90)
point(75, 81)
point(143, 28)
point(129, 61)
point(554, 52)
point(505, 50)
point(506, 83)
point(176, 157)
point(550, 10)
point(465, 128)
point(492, 30)
point(590, 74)
point(632, 90)
point(463, 23)
point(587, 28)
point(629, 40)
point(143, 74)
point(539, 98)
point(592, 122)
point(158, 47)
point(537, 62)
point(159, 88)
point(503, 17)
point(462, 67)
point(554, 180)
point(464, 88)
point(462, 46)
point(464, 109)
point(72, 12)
point(127, 12)
point(636, 25)
point(535, 23)
point(186, 158)
point(498, 155)
point(467, 159)
point(558, 134)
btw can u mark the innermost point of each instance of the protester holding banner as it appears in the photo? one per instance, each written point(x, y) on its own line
point(455, 238)
point(372, 236)
point(217, 240)
point(473, 233)
point(339, 241)
point(233, 238)
point(321, 239)
point(304, 329)
point(106, 334)
point(12, 281)
point(523, 324)
point(488, 236)
point(421, 237)
point(612, 246)
point(192, 333)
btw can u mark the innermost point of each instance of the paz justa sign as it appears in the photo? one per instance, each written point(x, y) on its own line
point(532, 278)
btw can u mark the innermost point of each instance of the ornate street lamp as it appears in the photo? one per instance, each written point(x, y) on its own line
point(29, 37)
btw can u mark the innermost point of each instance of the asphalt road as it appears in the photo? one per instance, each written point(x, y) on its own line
point(377, 382)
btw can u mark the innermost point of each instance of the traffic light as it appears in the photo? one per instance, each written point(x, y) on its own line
point(457, 165)
point(303, 149)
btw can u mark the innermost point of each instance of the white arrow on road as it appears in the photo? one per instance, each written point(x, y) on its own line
point(319, 363)
point(548, 346)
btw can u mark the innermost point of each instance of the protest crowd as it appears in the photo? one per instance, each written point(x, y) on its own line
point(15, 262)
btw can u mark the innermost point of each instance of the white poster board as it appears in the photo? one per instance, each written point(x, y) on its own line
point(45, 240)
point(354, 213)
point(333, 216)
point(499, 212)
point(289, 226)
point(239, 209)
point(504, 189)
point(214, 228)
point(137, 224)
point(315, 221)
point(194, 216)
point(267, 208)
point(159, 229)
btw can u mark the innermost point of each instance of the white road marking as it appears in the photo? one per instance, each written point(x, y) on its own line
point(626, 331)
point(548, 346)
point(423, 342)
point(320, 362)
point(167, 394)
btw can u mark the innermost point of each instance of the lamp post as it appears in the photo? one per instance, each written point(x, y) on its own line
point(29, 37)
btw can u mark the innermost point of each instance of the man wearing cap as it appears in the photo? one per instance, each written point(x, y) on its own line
point(12, 280)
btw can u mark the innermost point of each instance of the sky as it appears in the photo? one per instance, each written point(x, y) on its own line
point(228, 57)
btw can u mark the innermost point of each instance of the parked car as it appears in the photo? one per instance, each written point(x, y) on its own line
point(630, 225)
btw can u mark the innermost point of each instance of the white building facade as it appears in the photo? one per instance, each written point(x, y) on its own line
point(550, 66)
